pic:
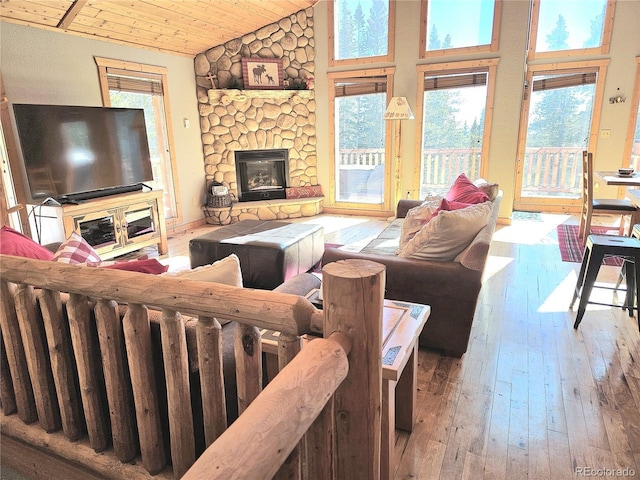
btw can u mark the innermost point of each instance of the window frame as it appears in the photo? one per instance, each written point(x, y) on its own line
point(385, 206)
point(631, 125)
point(603, 49)
point(389, 57)
point(486, 48)
point(598, 66)
point(489, 66)
point(152, 71)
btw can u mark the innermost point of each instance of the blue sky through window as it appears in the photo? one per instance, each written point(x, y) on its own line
point(578, 15)
point(467, 23)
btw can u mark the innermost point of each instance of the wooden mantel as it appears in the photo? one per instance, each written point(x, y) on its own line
point(216, 95)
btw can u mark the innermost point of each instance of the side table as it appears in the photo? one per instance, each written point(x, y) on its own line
point(402, 324)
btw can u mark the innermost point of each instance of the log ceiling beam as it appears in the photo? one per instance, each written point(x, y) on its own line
point(71, 14)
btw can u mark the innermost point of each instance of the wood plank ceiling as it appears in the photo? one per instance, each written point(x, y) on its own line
point(182, 27)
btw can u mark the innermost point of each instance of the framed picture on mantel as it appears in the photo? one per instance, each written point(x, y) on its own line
point(262, 73)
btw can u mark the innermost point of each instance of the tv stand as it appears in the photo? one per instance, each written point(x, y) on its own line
point(112, 225)
point(76, 198)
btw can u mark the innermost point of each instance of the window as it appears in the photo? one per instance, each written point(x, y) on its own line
point(360, 172)
point(560, 109)
point(581, 27)
point(454, 116)
point(461, 26)
point(362, 31)
point(141, 86)
point(632, 146)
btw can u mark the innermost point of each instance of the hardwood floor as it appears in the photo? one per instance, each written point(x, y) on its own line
point(532, 397)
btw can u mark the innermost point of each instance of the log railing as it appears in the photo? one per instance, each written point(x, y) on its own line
point(83, 364)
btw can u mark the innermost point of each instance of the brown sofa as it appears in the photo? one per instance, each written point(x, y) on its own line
point(451, 288)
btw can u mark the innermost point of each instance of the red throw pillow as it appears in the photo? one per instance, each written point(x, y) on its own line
point(464, 191)
point(148, 265)
point(14, 243)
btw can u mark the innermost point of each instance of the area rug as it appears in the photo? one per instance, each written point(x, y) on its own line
point(571, 247)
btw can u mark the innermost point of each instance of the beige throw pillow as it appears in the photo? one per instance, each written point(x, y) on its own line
point(226, 271)
point(447, 234)
point(416, 218)
point(491, 189)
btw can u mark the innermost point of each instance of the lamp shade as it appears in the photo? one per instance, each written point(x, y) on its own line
point(398, 109)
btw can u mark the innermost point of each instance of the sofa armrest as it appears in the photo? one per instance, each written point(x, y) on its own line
point(475, 255)
point(404, 205)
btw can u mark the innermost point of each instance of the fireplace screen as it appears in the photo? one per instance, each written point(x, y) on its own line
point(261, 174)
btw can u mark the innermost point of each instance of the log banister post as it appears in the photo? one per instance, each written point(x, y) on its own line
point(354, 294)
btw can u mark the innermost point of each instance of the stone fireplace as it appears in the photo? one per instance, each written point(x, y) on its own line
point(234, 120)
point(257, 120)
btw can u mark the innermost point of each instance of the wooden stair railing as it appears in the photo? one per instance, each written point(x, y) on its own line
point(71, 363)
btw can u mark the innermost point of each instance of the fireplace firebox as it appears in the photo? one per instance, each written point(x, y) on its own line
point(262, 174)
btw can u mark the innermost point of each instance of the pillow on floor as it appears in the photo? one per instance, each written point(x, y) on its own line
point(448, 233)
point(464, 191)
point(14, 243)
point(75, 250)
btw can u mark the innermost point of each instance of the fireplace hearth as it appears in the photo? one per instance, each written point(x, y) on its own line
point(261, 174)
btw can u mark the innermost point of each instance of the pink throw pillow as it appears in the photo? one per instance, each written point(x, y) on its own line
point(464, 191)
point(14, 243)
point(449, 206)
point(148, 265)
point(74, 250)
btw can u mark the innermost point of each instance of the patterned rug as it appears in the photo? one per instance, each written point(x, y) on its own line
point(571, 248)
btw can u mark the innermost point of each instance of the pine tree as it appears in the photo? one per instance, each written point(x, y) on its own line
point(346, 33)
point(378, 28)
point(559, 118)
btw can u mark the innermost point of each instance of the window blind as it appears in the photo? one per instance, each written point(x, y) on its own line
point(455, 81)
point(123, 81)
point(360, 86)
point(562, 81)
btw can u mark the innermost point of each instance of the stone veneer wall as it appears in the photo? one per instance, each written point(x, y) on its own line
point(233, 120)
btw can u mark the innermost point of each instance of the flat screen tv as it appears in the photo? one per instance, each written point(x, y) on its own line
point(73, 153)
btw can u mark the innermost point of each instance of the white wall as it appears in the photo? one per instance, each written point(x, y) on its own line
point(625, 46)
point(40, 66)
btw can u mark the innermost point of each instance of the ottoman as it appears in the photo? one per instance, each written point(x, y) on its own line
point(270, 252)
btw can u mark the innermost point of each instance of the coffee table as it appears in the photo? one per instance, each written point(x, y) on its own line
point(402, 324)
point(269, 251)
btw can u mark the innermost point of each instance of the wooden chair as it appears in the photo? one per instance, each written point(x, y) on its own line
point(591, 206)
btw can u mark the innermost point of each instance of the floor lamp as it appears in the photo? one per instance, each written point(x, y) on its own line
point(398, 109)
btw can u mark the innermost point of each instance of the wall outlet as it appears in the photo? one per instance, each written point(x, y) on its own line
point(605, 133)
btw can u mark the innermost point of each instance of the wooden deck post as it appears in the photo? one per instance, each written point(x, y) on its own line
point(353, 293)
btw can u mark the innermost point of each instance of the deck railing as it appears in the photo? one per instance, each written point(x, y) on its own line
point(546, 171)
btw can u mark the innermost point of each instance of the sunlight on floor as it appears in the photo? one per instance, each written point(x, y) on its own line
point(333, 223)
point(528, 232)
point(494, 265)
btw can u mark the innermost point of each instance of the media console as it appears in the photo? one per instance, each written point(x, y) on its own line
point(112, 225)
